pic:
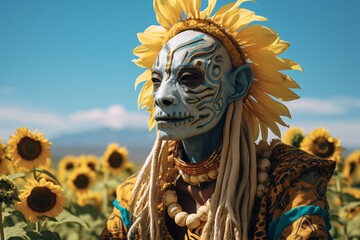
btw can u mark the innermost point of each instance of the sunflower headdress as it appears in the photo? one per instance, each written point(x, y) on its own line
point(255, 45)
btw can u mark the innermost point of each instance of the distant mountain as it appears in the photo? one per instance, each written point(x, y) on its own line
point(137, 141)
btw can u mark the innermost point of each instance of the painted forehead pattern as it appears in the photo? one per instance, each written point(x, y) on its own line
point(184, 49)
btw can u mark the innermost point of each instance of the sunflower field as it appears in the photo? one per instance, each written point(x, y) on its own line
point(69, 201)
point(73, 199)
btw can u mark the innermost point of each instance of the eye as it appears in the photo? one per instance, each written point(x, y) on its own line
point(191, 77)
point(156, 79)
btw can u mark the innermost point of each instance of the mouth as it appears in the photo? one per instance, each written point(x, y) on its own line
point(173, 119)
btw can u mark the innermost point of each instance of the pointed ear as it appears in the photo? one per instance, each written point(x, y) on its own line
point(242, 78)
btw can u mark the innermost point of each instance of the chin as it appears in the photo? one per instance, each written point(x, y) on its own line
point(173, 133)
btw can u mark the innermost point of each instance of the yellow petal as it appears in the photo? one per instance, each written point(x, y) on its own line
point(146, 75)
point(256, 37)
point(274, 76)
point(230, 19)
point(279, 47)
point(294, 65)
point(167, 12)
point(276, 90)
point(146, 92)
point(191, 8)
point(206, 13)
point(273, 106)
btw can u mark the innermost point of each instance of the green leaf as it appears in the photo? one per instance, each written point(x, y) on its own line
point(48, 173)
point(16, 175)
point(353, 227)
point(351, 205)
point(19, 215)
point(16, 231)
point(67, 217)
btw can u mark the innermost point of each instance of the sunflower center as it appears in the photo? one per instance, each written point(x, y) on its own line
point(81, 181)
point(29, 149)
point(4, 185)
point(69, 166)
point(323, 148)
point(91, 166)
point(116, 160)
point(297, 139)
point(41, 199)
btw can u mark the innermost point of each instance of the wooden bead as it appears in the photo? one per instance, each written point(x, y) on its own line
point(208, 203)
point(202, 213)
point(194, 180)
point(264, 164)
point(260, 190)
point(213, 174)
point(170, 197)
point(185, 177)
point(203, 177)
point(173, 209)
point(192, 221)
point(180, 219)
point(267, 153)
point(262, 177)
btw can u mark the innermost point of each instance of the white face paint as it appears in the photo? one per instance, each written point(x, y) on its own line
point(191, 77)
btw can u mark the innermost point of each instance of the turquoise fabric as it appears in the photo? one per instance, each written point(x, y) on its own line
point(279, 224)
point(125, 215)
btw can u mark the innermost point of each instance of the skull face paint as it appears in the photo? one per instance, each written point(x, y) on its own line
point(191, 85)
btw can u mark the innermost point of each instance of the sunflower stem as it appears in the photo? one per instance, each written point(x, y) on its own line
point(38, 226)
point(105, 195)
point(2, 234)
point(35, 176)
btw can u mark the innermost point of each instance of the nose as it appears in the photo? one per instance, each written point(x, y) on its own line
point(164, 101)
point(166, 95)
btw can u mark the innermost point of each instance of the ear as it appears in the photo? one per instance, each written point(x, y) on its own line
point(241, 78)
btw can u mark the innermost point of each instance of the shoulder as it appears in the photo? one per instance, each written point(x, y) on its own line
point(290, 163)
point(124, 191)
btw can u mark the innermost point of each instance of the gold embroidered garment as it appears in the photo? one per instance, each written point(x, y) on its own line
point(294, 205)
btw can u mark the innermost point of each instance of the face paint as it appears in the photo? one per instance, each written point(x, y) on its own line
point(191, 85)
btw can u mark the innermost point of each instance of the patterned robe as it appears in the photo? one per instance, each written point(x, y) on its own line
point(294, 205)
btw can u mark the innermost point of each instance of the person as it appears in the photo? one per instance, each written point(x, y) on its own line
point(212, 84)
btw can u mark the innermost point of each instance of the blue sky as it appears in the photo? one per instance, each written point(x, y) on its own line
point(66, 65)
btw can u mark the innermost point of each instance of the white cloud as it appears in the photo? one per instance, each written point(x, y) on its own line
point(315, 106)
point(22, 116)
point(333, 106)
point(114, 117)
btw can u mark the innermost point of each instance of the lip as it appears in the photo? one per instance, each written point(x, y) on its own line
point(172, 120)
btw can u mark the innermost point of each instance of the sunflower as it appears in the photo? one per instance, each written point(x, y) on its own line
point(4, 163)
point(8, 190)
point(247, 43)
point(320, 143)
point(40, 199)
point(81, 179)
point(66, 165)
point(112, 193)
point(130, 168)
point(89, 161)
point(115, 159)
point(90, 198)
point(351, 169)
point(293, 137)
point(28, 149)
